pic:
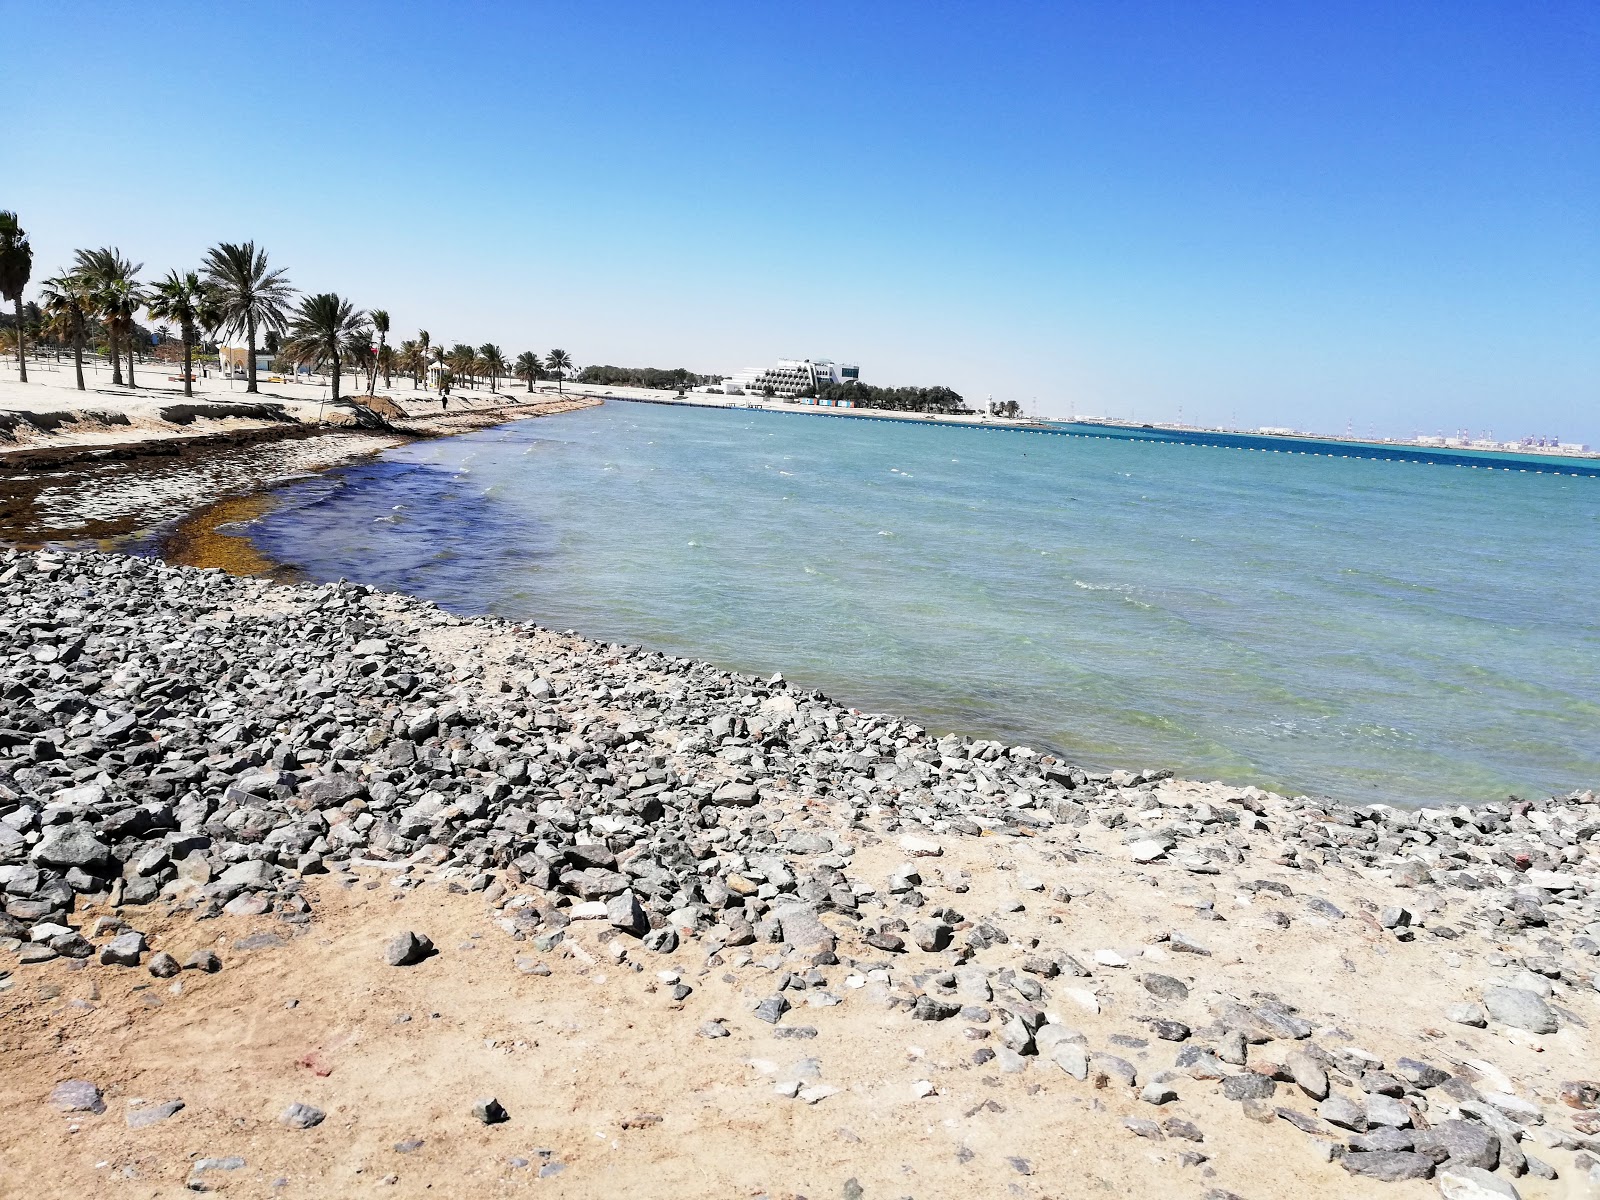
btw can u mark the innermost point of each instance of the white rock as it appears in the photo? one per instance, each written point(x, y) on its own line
point(1474, 1183)
point(1146, 850)
point(923, 1088)
point(1109, 958)
point(921, 847)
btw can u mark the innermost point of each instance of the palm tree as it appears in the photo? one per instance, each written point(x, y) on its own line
point(250, 296)
point(319, 331)
point(68, 303)
point(559, 363)
point(424, 343)
point(380, 326)
point(16, 264)
point(529, 367)
point(494, 361)
point(358, 351)
point(184, 299)
point(462, 360)
point(409, 358)
point(114, 287)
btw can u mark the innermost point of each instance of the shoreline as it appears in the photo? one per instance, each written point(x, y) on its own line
point(161, 486)
point(663, 883)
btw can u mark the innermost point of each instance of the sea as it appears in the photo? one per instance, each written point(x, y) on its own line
point(1366, 630)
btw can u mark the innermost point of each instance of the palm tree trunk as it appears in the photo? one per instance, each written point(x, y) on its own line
point(22, 353)
point(116, 355)
point(131, 341)
point(336, 379)
point(188, 361)
point(530, 383)
point(77, 356)
point(250, 349)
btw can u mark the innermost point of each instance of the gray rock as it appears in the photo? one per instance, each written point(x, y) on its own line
point(1390, 1166)
point(1307, 1073)
point(77, 1095)
point(771, 1009)
point(1520, 1009)
point(124, 950)
point(1165, 987)
point(1343, 1112)
point(302, 1116)
point(73, 845)
point(1461, 1143)
point(203, 960)
point(1249, 1086)
point(406, 949)
point(151, 1114)
point(625, 913)
point(163, 966)
point(1467, 1013)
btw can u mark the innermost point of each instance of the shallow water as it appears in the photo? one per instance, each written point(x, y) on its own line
point(1368, 630)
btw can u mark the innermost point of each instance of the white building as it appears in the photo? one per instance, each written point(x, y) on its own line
point(791, 377)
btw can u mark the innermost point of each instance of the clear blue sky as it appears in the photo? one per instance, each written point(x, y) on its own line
point(1297, 213)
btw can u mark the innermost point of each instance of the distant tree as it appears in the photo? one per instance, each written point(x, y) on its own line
point(320, 330)
point(380, 326)
point(424, 344)
point(529, 367)
point(493, 362)
point(463, 362)
point(251, 296)
point(16, 265)
point(113, 283)
point(184, 299)
point(69, 303)
point(559, 362)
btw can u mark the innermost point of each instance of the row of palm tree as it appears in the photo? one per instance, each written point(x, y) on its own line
point(237, 294)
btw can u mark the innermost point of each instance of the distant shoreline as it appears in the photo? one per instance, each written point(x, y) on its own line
point(1320, 447)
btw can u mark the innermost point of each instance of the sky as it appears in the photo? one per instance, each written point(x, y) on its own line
point(1376, 216)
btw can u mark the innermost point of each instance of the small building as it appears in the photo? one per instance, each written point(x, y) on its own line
point(233, 358)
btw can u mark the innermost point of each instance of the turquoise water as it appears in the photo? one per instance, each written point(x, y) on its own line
point(1367, 630)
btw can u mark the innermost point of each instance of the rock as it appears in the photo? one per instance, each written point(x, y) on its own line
point(73, 845)
point(151, 1114)
point(163, 966)
point(124, 950)
point(1072, 1058)
point(1158, 1093)
point(203, 960)
point(198, 1182)
point(1467, 1013)
point(1119, 1070)
point(1343, 1112)
point(1473, 1183)
point(1248, 1086)
point(921, 847)
point(490, 1111)
point(77, 1095)
point(302, 1116)
point(1165, 987)
point(771, 1009)
point(1307, 1074)
point(1520, 1009)
point(1461, 1143)
point(406, 949)
point(1390, 1166)
point(625, 913)
point(1146, 850)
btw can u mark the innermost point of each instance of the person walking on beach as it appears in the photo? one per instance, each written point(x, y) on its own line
point(444, 396)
